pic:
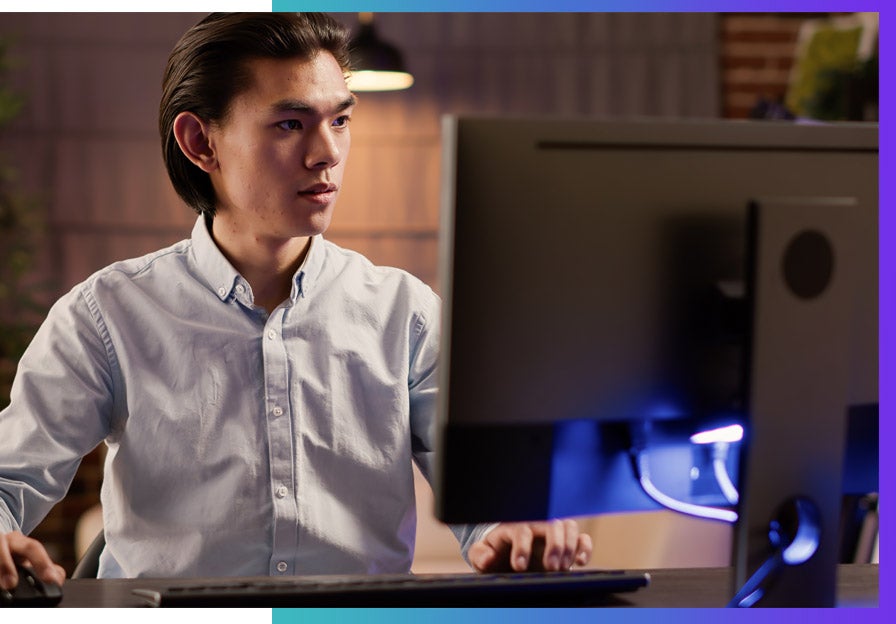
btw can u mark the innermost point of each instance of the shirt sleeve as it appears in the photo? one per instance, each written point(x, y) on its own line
point(59, 410)
point(423, 386)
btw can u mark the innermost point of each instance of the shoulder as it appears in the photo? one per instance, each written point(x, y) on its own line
point(113, 287)
point(161, 264)
point(352, 272)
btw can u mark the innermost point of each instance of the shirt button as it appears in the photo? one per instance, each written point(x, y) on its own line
point(282, 491)
point(240, 288)
point(222, 291)
point(278, 411)
point(272, 334)
point(282, 567)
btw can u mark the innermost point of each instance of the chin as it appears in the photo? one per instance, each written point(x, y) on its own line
point(318, 223)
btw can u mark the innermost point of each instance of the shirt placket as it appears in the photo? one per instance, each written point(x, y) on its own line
point(280, 447)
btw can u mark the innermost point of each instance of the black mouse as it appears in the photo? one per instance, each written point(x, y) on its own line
point(31, 591)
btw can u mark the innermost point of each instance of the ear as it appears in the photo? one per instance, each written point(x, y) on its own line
point(192, 135)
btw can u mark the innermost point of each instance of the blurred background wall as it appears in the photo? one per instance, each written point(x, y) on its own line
point(85, 149)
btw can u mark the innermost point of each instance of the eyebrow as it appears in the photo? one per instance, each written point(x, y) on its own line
point(298, 106)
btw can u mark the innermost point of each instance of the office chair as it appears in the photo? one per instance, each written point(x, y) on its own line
point(89, 564)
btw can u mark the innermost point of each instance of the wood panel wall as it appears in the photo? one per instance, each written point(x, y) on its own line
point(87, 142)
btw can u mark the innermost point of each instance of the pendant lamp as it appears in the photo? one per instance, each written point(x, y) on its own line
point(376, 64)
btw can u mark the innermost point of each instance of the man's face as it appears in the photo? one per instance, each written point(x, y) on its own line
point(281, 151)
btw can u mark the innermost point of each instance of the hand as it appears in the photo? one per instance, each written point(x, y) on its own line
point(553, 545)
point(16, 547)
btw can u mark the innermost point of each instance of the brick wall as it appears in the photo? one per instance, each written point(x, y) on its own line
point(757, 53)
point(756, 58)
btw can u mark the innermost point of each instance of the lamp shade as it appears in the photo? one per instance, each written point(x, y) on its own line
point(376, 64)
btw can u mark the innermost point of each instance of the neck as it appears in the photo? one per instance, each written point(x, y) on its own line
point(267, 263)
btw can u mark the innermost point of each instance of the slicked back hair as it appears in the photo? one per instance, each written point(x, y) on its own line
point(209, 67)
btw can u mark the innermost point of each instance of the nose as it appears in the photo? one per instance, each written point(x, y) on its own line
point(323, 149)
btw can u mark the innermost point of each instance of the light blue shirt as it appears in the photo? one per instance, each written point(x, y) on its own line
point(239, 443)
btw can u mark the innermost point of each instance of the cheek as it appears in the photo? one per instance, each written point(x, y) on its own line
point(265, 170)
point(238, 161)
point(344, 150)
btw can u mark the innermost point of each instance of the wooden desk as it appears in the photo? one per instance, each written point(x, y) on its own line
point(697, 587)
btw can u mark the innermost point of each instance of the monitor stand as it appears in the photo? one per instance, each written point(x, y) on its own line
point(786, 538)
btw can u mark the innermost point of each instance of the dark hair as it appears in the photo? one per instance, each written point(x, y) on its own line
point(208, 68)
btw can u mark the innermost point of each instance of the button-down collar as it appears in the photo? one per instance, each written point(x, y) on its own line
point(223, 279)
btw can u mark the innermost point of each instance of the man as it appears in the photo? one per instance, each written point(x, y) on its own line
point(262, 392)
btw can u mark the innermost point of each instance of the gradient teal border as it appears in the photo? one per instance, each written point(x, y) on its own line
point(887, 334)
point(570, 616)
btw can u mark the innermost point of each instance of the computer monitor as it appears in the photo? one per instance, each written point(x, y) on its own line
point(612, 288)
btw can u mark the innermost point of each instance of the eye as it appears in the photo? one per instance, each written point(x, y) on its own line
point(290, 124)
point(341, 121)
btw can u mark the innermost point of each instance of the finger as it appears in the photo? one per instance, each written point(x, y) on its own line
point(30, 551)
point(521, 537)
point(570, 545)
point(8, 576)
point(555, 540)
point(481, 556)
point(60, 573)
point(584, 549)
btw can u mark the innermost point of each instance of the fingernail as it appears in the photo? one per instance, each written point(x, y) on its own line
point(553, 562)
point(567, 562)
point(9, 581)
point(522, 563)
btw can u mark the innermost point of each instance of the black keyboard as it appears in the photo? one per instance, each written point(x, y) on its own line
point(540, 589)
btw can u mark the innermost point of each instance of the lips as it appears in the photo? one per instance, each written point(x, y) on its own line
point(321, 193)
point(320, 187)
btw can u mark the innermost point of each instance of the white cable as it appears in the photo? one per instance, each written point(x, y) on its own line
point(720, 469)
point(701, 511)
